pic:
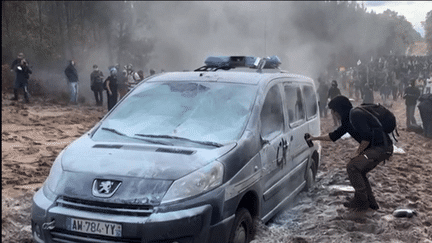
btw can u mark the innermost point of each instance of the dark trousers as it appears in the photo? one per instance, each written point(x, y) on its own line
point(359, 166)
point(112, 100)
point(20, 84)
point(323, 108)
point(98, 97)
point(410, 119)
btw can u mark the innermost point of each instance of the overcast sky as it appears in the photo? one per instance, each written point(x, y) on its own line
point(414, 11)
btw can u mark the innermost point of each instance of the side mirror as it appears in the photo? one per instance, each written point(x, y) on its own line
point(264, 141)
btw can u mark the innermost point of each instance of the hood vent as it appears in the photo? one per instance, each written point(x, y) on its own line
point(107, 146)
point(175, 151)
point(162, 150)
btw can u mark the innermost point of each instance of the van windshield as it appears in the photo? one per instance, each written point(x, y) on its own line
point(194, 111)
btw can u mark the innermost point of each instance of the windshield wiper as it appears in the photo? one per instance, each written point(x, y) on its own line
point(124, 135)
point(114, 131)
point(180, 138)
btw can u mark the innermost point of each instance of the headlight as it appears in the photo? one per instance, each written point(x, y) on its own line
point(53, 178)
point(200, 181)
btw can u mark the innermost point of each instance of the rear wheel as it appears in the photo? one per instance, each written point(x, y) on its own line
point(243, 227)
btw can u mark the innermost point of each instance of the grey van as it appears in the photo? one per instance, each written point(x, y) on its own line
point(186, 157)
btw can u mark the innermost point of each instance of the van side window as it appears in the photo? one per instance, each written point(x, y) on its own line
point(294, 103)
point(272, 114)
point(310, 101)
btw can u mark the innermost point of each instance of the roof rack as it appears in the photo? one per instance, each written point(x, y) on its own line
point(214, 63)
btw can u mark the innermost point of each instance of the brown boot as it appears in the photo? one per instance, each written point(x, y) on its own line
point(359, 202)
point(372, 202)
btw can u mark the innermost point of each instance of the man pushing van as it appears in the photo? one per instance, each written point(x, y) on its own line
point(364, 124)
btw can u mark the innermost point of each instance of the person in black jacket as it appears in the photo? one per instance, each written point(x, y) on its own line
point(72, 75)
point(111, 86)
point(332, 93)
point(374, 146)
point(412, 93)
point(22, 71)
point(96, 85)
point(368, 97)
point(323, 96)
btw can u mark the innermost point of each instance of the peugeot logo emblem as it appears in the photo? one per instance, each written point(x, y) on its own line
point(105, 188)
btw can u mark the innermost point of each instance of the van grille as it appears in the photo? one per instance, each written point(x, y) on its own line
point(65, 236)
point(105, 207)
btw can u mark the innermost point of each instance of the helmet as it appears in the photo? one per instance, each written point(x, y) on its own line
point(113, 71)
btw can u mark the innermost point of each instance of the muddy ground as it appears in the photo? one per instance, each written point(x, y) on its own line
point(33, 134)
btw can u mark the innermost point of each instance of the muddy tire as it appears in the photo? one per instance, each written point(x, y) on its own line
point(310, 179)
point(243, 227)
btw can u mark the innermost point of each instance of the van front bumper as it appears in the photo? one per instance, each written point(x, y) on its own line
point(51, 223)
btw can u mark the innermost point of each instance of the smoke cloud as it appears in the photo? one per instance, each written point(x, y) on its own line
point(305, 35)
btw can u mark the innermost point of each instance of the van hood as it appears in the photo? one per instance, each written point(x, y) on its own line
point(137, 160)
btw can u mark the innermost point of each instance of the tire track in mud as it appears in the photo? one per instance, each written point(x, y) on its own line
point(33, 136)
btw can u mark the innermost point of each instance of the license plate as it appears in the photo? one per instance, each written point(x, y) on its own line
point(95, 227)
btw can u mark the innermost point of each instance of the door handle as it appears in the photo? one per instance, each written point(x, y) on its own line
point(285, 143)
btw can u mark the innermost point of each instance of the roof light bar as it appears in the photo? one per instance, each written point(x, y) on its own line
point(227, 62)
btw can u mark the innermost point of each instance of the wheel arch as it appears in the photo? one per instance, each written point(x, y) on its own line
point(250, 201)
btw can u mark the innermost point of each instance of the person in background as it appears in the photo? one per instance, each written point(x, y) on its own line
point(111, 86)
point(139, 76)
point(323, 96)
point(96, 85)
point(130, 76)
point(368, 97)
point(411, 95)
point(425, 108)
point(332, 93)
point(428, 87)
point(357, 87)
point(72, 76)
point(22, 75)
point(122, 82)
point(420, 84)
point(152, 72)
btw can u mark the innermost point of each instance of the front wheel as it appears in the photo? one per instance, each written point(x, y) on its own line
point(243, 227)
point(310, 179)
point(310, 175)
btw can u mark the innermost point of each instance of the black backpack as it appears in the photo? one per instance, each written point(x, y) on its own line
point(383, 116)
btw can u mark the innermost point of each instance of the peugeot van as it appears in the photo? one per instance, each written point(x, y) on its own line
point(186, 157)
